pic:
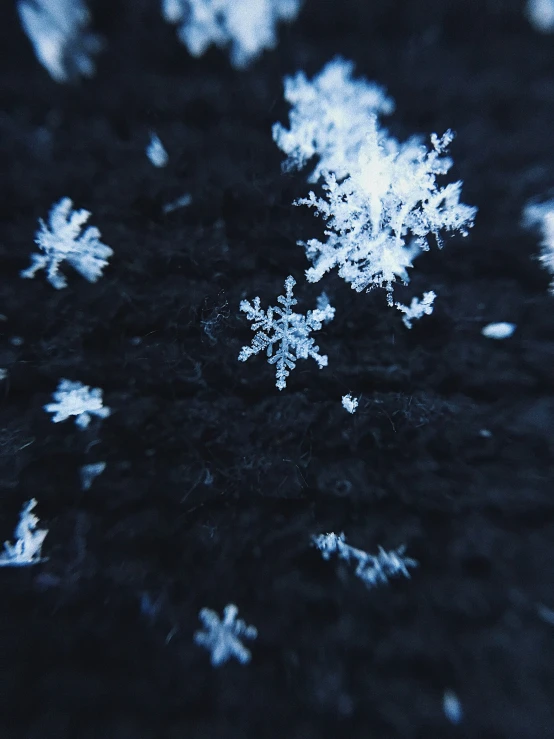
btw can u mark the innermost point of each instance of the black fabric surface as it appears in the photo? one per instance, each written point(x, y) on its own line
point(216, 481)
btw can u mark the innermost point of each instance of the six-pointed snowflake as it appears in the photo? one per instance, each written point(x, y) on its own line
point(61, 240)
point(76, 399)
point(372, 569)
point(290, 332)
point(26, 550)
point(222, 637)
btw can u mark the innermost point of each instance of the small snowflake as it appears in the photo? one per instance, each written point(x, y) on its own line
point(501, 330)
point(417, 308)
point(221, 638)
point(155, 151)
point(372, 569)
point(26, 550)
point(349, 403)
point(291, 332)
point(62, 240)
point(76, 399)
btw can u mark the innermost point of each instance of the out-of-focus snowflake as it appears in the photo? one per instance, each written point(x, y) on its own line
point(501, 330)
point(26, 550)
point(541, 217)
point(58, 30)
point(222, 637)
point(89, 472)
point(328, 118)
point(372, 569)
point(155, 151)
point(246, 27)
point(62, 241)
point(290, 332)
point(541, 14)
point(76, 399)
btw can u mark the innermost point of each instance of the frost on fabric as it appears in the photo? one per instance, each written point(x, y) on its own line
point(26, 549)
point(58, 31)
point(384, 213)
point(223, 637)
point(245, 27)
point(540, 216)
point(372, 569)
point(76, 399)
point(285, 334)
point(417, 308)
point(328, 118)
point(61, 240)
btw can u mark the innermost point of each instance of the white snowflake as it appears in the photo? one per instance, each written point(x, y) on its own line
point(155, 151)
point(349, 403)
point(26, 550)
point(372, 569)
point(222, 638)
point(247, 27)
point(76, 399)
point(389, 197)
point(541, 217)
point(417, 308)
point(62, 240)
point(328, 118)
point(58, 31)
point(290, 331)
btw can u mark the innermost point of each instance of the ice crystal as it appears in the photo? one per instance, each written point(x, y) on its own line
point(417, 308)
point(61, 240)
point(382, 215)
point(222, 637)
point(26, 550)
point(349, 403)
point(328, 118)
point(58, 31)
point(288, 334)
point(246, 27)
point(76, 399)
point(372, 569)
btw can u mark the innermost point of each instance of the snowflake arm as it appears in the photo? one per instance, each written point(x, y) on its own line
point(328, 118)
point(246, 27)
point(62, 240)
point(417, 308)
point(222, 637)
point(372, 569)
point(58, 31)
point(26, 549)
point(289, 332)
point(76, 399)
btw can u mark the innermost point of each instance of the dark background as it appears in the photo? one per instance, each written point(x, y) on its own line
point(215, 481)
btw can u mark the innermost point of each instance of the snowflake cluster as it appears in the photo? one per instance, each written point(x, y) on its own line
point(58, 30)
point(372, 569)
point(26, 549)
point(222, 637)
point(285, 335)
point(76, 399)
point(61, 240)
point(246, 27)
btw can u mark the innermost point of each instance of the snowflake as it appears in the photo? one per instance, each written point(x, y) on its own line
point(290, 331)
point(61, 240)
point(26, 550)
point(349, 403)
point(76, 399)
point(541, 216)
point(417, 308)
point(328, 118)
point(389, 196)
point(89, 472)
point(246, 26)
point(222, 637)
point(373, 570)
point(155, 151)
point(58, 31)
point(501, 330)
